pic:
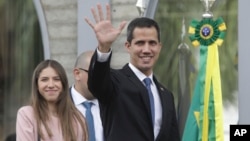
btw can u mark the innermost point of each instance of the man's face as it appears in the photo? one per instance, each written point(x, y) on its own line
point(144, 49)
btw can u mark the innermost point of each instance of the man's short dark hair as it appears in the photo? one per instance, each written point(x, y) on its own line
point(141, 22)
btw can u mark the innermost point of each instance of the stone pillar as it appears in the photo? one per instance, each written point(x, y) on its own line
point(61, 19)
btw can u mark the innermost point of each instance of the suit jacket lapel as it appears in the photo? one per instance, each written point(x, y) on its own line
point(165, 110)
point(138, 85)
point(70, 94)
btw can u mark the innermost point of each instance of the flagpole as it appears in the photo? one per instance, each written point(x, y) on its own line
point(147, 8)
point(184, 96)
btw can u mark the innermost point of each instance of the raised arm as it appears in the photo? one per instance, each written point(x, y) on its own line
point(105, 33)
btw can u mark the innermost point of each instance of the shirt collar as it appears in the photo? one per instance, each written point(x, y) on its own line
point(79, 99)
point(139, 74)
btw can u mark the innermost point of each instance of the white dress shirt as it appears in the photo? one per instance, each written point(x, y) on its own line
point(78, 99)
point(102, 57)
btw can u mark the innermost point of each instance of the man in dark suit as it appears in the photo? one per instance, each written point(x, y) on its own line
point(131, 110)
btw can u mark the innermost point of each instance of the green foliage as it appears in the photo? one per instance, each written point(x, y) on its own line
point(24, 46)
point(20, 51)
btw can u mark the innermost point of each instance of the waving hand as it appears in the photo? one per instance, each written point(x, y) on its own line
point(105, 33)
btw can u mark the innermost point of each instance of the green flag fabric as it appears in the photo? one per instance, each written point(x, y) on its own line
point(205, 116)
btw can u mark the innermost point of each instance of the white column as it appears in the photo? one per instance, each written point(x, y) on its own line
point(244, 65)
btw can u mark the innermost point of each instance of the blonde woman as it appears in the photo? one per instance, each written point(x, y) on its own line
point(51, 115)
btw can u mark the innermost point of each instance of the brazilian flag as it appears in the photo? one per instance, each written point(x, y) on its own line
point(205, 116)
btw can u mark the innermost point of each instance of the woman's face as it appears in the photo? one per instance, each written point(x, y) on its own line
point(49, 84)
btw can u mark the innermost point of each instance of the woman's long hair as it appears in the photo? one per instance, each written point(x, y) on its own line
point(67, 113)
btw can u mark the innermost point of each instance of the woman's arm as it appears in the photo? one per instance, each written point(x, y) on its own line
point(25, 130)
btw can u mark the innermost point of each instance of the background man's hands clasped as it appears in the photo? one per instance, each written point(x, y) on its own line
point(106, 34)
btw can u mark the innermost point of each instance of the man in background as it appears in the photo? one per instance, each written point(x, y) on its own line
point(81, 96)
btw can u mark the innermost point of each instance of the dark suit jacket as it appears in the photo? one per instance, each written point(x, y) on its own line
point(125, 107)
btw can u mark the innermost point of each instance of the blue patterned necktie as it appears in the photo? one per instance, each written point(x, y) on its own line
point(90, 120)
point(147, 82)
